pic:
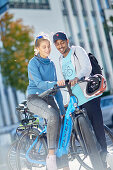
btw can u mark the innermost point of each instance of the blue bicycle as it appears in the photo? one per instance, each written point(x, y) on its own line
point(77, 138)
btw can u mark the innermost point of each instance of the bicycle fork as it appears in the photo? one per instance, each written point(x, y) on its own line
point(78, 133)
point(64, 139)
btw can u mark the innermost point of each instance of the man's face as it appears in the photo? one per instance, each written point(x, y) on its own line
point(62, 46)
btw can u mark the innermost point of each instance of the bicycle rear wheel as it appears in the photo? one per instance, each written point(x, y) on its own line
point(31, 150)
point(89, 139)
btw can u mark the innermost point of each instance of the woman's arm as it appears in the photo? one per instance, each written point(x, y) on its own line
point(34, 74)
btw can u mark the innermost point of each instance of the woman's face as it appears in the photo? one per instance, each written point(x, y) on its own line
point(44, 48)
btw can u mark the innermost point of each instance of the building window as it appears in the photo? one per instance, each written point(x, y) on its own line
point(109, 3)
point(29, 4)
point(73, 8)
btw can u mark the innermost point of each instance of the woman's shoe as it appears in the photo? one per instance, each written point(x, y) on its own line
point(51, 162)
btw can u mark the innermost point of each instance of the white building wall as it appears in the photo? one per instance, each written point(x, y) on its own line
point(82, 25)
point(72, 22)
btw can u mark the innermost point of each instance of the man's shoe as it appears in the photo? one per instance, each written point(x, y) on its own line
point(103, 157)
point(106, 167)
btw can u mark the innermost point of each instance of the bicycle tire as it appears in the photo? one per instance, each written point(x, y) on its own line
point(90, 144)
point(11, 156)
point(109, 138)
point(36, 154)
point(75, 154)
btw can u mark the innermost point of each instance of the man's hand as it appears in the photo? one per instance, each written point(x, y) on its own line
point(61, 82)
point(73, 81)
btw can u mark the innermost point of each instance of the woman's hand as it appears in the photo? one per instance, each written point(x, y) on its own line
point(62, 116)
point(61, 82)
point(74, 81)
point(66, 105)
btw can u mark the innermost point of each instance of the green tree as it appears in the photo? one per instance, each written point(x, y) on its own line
point(17, 51)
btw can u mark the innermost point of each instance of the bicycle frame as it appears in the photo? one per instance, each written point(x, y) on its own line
point(65, 133)
point(66, 128)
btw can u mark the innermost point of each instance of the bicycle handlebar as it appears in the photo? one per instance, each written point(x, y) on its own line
point(56, 87)
point(51, 91)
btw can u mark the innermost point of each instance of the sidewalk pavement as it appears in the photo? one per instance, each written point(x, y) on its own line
point(5, 142)
point(74, 165)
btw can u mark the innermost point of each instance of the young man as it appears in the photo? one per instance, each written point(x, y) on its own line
point(75, 64)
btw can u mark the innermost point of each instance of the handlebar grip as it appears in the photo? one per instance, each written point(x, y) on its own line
point(45, 93)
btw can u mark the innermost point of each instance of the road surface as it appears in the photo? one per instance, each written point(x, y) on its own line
point(74, 165)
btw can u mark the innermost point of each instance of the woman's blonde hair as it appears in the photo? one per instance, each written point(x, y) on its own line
point(39, 38)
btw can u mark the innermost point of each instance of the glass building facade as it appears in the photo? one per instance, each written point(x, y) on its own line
point(29, 4)
point(87, 21)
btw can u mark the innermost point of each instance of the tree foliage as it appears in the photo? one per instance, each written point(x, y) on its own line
point(17, 51)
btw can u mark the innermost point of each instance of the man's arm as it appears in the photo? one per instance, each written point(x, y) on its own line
point(84, 61)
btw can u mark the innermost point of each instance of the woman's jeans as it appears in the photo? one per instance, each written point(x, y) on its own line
point(47, 109)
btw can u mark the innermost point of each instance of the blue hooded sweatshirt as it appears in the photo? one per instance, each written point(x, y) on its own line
point(42, 76)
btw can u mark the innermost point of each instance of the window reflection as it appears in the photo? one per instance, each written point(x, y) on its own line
point(32, 4)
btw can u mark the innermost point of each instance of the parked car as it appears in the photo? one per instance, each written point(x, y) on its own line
point(107, 109)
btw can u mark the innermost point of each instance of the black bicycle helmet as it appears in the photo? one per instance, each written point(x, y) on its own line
point(95, 85)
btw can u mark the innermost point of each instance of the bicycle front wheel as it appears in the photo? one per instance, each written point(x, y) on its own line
point(31, 150)
point(109, 138)
point(90, 143)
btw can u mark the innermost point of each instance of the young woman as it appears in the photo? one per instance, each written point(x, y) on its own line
point(42, 76)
